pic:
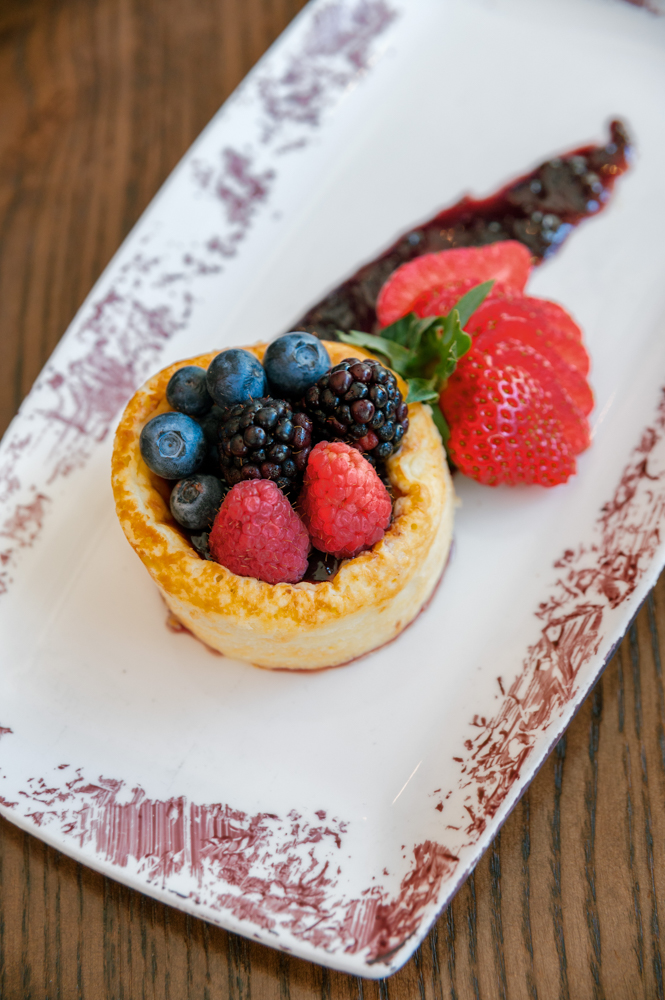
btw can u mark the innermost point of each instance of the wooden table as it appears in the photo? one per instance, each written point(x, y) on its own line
point(98, 100)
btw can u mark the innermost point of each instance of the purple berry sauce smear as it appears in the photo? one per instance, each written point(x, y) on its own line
point(540, 209)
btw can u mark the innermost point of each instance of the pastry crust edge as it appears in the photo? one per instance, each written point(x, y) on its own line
point(300, 626)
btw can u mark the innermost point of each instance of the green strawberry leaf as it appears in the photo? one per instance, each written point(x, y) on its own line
point(406, 331)
point(442, 343)
point(441, 424)
point(397, 355)
point(421, 390)
point(455, 344)
point(425, 351)
point(473, 299)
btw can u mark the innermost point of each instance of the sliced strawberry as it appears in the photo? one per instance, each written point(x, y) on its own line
point(569, 378)
point(517, 316)
point(501, 351)
point(537, 310)
point(552, 312)
point(438, 301)
point(508, 262)
point(500, 313)
point(504, 428)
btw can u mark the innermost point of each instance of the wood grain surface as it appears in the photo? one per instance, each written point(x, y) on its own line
point(98, 101)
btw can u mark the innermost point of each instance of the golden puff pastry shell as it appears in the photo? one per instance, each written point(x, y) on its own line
point(302, 626)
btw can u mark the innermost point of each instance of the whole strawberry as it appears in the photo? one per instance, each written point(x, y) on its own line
point(504, 427)
point(257, 533)
point(344, 504)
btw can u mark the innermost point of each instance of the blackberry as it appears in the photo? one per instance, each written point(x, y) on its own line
point(265, 439)
point(359, 402)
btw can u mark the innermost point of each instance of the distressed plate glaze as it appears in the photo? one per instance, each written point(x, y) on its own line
point(334, 815)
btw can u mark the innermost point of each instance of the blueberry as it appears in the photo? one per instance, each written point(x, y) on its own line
point(200, 543)
point(235, 376)
point(173, 445)
point(187, 391)
point(294, 362)
point(195, 502)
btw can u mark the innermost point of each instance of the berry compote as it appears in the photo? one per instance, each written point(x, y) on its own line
point(539, 209)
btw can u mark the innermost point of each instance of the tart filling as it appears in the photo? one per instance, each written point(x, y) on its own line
point(303, 626)
point(288, 445)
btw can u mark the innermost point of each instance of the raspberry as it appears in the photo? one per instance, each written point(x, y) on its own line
point(504, 427)
point(508, 262)
point(344, 504)
point(257, 533)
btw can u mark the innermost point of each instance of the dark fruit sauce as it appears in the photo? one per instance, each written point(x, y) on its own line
point(539, 209)
point(322, 567)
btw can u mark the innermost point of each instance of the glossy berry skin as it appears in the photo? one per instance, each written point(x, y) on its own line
point(264, 439)
point(200, 543)
point(173, 445)
point(504, 427)
point(235, 376)
point(257, 533)
point(187, 391)
point(517, 403)
point(195, 501)
point(345, 506)
point(547, 325)
point(359, 402)
point(439, 300)
point(294, 362)
point(508, 263)
point(210, 424)
point(500, 351)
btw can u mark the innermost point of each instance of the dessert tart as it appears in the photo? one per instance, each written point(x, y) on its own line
point(508, 376)
point(294, 626)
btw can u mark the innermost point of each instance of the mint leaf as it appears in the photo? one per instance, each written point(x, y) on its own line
point(442, 343)
point(397, 355)
point(421, 390)
point(441, 424)
point(432, 348)
point(425, 351)
point(455, 344)
point(405, 331)
point(473, 299)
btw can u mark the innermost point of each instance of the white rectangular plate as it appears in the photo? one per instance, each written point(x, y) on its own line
point(334, 815)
